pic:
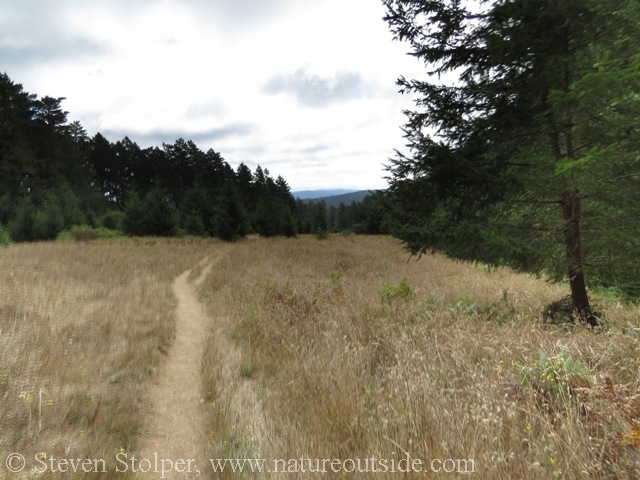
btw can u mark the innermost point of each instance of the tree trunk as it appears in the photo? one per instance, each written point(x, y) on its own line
point(571, 204)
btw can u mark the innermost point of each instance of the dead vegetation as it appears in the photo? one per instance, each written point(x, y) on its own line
point(356, 352)
point(337, 348)
point(82, 327)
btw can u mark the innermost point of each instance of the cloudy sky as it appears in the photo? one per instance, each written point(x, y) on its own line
point(305, 88)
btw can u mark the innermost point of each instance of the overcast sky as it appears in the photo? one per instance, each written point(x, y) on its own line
point(305, 88)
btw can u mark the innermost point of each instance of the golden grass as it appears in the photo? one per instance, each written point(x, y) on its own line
point(82, 326)
point(337, 349)
point(351, 350)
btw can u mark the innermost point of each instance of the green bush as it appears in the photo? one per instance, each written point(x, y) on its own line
point(113, 220)
point(231, 218)
point(153, 216)
point(49, 221)
point(192, 224)
point(22, 225)
point(389, 292)
point(555, 377)
point(103, 232)
point(133, 222)
point(85, 233)
point(5, 238)
point(274, 218)
point(45, 221)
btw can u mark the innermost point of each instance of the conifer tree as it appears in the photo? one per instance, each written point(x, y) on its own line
point(524, 141)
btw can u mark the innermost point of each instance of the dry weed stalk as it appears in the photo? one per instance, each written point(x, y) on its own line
point(82, 327)
point(357, 352)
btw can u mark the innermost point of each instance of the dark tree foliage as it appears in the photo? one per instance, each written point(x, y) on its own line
point(274, 218)
point(244, 181)
point(39, 159)
point(197, 212)
point(53, 176)
point(524, 144)
point(344, 221)
point(371, 216)
point(275, 206)
point(134, 216)
point(161, 218)
point(231, 218)
point(320, 216)
point(22, 226)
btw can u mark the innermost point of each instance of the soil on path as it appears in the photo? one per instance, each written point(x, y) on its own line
point(175, 425)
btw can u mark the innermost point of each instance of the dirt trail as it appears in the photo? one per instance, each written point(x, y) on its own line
point(176, 421)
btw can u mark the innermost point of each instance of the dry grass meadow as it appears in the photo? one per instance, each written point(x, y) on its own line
point(82, 327)
point(352, 351)
point(341, 348)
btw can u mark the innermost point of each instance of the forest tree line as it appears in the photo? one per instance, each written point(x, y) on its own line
point(524, 139)
point(368, 216)
point(54, 176)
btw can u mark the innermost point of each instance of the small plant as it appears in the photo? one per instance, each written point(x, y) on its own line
point(403, 290)
point(335, 275)
point(343, 264)
point(464, 305)
point(246, 369)
point(556, 375)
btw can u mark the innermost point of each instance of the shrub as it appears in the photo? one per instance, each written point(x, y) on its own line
point(49, 221)
point(192, 224)
point(77, 233)
point(161, 218)
point(44, 222)
point(155, 215)
point(22, 225)
point(85, 233)
point(247, 369)
point(103, 232)
point(134, 216)
point(403, 290)
point(556, 377)
point(113, 220)
point(5, 238)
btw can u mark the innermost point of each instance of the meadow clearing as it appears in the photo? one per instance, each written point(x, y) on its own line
point(343, 348)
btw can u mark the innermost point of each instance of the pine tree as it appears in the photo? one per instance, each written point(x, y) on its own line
point(515, 158)
point(134, 216)
point(198, 212)
point(160, 218)
point(231, 218)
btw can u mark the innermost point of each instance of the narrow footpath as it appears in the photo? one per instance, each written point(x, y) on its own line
point(176, 421)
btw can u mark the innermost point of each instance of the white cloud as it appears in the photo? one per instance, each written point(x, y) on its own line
point(246, 84)
point(311, 90)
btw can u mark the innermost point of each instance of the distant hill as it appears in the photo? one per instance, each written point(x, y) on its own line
point(313, 194)
point(346, 198)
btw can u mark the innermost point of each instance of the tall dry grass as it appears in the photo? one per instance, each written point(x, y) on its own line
point(339, 349)
point(82, 327)
point(350, 350)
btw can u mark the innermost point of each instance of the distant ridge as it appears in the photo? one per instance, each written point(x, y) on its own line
point(313, 194)
point(346, 198)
